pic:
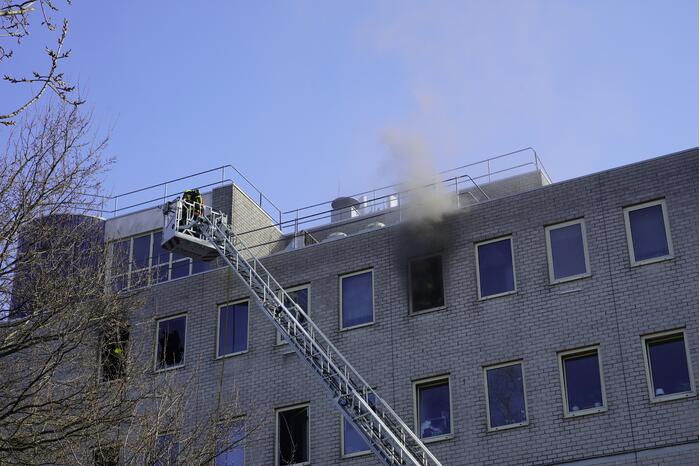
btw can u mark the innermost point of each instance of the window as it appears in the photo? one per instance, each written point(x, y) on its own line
point(425, 278)
point(166, 451)
point(567, 251)
point(495, 273)
point(433, 409)
point(232, 329)
point(300, 295)
point(668, 366)
point(582, 382)
point(356, 299)
point(352, 443)
point(293, 436)
point(648, 234)
point(113, 354)
point(505, 396)
point(170, 344)
point(229, 446)
point(160, 260)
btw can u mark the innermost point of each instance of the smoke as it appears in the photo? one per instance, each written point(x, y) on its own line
point(422, 196)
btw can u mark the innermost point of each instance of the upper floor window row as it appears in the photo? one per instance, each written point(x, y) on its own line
point(140, 261)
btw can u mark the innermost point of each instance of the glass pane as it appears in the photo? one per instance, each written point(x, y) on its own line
point(582, 379)
point(669, 366)
point(426, 284)
point(159, 273)
point(201, 266)
point(568, 255)
point(167, 451)
point(180, 269)
point(171, 342)
point(300, 297)
point(233, 328)
point(357, 299)
point(230, 446)
point(141, 252)
point(352, 440)
point(496, 268)
point(434, 410)
point(648, 232)
point(506, 395)
point(293, 436)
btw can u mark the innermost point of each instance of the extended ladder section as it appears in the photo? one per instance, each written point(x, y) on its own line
point(392, 441)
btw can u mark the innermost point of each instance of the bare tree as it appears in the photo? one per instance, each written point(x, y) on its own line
point(16, 20)
point(73, 388)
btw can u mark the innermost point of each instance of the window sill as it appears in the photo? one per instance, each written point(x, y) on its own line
point(672, 397)
point(355, 455)
point(570, 279)
point(439, 438)
point(652, 260)
point(427, 311)
point(230, 355)
point(167, 369)
point(508, 427)
point(499, 295)
point(343, 329)
point(585, 412)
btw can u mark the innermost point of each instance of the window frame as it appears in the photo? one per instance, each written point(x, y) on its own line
point(279, 341)
point(410, 285)
point(628, 232)
point(218, 328)
point(550, 258)
point(488, 407)
point(340, 299)
point(306, 405)
point(478, 274)
point(659, 337)
point(429, 382)
point(578, 352)
point(155, 351)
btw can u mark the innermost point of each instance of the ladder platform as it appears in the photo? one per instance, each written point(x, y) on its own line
point(181, 235)
point(190, 246)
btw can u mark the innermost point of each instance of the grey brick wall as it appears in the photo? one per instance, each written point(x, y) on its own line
point(612, 308)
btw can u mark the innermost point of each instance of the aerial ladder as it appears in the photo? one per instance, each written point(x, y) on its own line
point(200, 232)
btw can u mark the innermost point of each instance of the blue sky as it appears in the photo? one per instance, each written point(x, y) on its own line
point(298, 95)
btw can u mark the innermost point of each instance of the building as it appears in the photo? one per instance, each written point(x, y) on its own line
point(537, 323)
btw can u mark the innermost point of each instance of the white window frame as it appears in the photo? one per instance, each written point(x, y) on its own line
point(661, 336)
point(277, 431)
point(628, 231)
point(562, 379)
point(342, 442)
point(550, 257)
point(428, 382)
point(218, 329)
point(279, 341)
point(488, 406)
point(410, 285)
point(478, 274)
point(155, 351)
point(340, 296)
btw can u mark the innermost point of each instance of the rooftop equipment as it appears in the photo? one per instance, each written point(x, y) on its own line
point(199, 231)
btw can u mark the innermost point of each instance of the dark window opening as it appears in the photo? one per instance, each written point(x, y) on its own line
point(668, 366)
point(583, 383)
point(427, 290)
point(113, 357)
point(293, 436)
point(171, 342)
